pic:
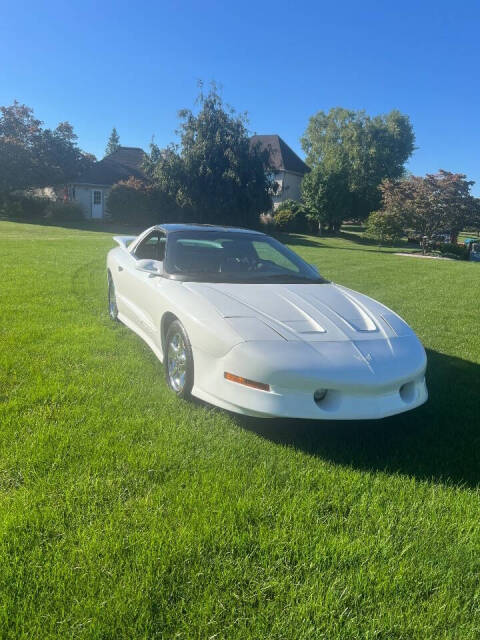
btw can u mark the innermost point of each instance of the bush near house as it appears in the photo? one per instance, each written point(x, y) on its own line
point(291, 216)
point(133, 201)
point(267, 222)
point(23, 207)
point(63, 211)
point(130, 201)
point(34, 208)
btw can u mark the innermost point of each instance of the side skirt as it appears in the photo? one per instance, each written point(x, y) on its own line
point(146, 338)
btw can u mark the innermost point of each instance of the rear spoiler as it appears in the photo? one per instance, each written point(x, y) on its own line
point(124, 241)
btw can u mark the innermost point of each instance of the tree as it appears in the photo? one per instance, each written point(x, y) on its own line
point(474, 221)
point(327, 197)
point(113, 143)
point(437, 203)
point(384, 227)
point(355, 152)
point(215, 175)
point(31, 156)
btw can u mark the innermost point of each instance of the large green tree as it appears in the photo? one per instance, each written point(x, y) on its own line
point(113, 142)
point(350, 153)
point(327, 197)
point(214, 175)
point(33, 156)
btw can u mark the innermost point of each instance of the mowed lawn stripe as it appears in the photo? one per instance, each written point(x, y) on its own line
point(126, 513)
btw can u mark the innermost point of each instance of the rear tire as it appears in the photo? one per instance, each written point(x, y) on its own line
point(178, 360)
point(112, 300)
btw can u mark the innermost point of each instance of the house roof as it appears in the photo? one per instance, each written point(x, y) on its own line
point(119, 165)
point(282, 157)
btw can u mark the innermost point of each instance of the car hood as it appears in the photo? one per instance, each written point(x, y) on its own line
point(306, 312)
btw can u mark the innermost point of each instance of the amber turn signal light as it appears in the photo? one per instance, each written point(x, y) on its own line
point(248, 383)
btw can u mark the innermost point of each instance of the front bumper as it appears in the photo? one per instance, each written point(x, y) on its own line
point(374, 380)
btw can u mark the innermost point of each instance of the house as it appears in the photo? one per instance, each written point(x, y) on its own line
point(91, 188)
point(288, 168)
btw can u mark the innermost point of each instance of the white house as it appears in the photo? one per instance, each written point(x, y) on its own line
point(288, 167)
point(91, 188)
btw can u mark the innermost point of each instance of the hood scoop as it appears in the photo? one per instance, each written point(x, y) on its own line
point(313, 313)
point(351, 311)
point(304, 327)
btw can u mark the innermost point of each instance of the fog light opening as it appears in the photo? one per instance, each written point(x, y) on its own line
point(320, 395)
point(407, 391)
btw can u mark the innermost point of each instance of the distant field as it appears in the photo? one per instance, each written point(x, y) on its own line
point(126, 513)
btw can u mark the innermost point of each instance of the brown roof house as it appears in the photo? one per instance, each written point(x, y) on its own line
point(288, 168)
point(91, 188)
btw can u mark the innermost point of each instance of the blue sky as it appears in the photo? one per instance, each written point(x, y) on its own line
point(133, 65)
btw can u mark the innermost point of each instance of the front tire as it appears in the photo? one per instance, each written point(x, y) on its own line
point(112, 300)
point(178, 360)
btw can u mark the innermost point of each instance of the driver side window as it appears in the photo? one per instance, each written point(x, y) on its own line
point(152, 247)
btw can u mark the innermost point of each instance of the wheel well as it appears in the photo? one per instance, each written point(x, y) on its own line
point(167, 320)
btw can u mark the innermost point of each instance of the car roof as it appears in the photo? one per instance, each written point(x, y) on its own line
point(173, 227)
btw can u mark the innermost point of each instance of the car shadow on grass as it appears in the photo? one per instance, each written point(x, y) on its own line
point(439, 441)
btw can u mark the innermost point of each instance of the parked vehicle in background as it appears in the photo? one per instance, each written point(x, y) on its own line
point(473, 246)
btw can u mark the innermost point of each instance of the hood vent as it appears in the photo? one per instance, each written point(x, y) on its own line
point(304, 327)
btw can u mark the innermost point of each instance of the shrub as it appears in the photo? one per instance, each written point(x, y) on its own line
point(449, 250)
point(23, 207)
point(285, 220)
point(383, 227)
point(135, 202)
point(293, 220)
point(267, 222)
point(130, 201)
point(289, 205)
point(63, 211)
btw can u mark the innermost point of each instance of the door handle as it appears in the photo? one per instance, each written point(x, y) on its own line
point(120, 268)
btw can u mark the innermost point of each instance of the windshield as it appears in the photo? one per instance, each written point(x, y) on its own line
point(211, 256)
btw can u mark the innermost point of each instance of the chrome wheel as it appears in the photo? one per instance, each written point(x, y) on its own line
point(112, 302)
point(177, 362)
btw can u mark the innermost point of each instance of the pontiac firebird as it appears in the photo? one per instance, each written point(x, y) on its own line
point(242, 322)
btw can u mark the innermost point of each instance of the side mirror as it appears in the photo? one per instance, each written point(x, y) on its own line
point(152, 267)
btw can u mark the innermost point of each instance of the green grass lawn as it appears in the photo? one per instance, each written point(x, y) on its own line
point(126, 513)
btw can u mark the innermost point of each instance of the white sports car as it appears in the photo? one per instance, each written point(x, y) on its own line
point(240, 321)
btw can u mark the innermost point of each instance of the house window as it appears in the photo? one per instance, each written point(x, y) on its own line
point(97, 197)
